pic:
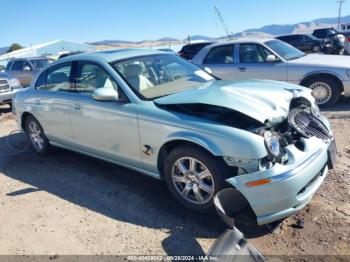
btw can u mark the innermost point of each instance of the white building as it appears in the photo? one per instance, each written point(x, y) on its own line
point(50, 49)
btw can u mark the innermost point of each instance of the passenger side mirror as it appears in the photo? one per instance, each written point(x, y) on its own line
point(105, 94)
point(271, 58)
point(27, 68)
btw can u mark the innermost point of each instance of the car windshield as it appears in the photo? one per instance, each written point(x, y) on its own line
point(40, 63)
point(154, 76)
point(331, 32)
point(286, 51)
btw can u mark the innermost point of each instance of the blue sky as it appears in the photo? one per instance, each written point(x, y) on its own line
point(35, 21)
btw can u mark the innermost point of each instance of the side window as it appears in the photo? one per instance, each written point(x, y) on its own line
point(17, 65)
point(58, 78)
point(220, 55)
point(91, 76)
point(8, 66)
point(252, 53)
point(41, 81)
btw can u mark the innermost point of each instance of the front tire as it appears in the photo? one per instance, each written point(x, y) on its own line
point(193, 177)
point(325, 90)
point(36, 135)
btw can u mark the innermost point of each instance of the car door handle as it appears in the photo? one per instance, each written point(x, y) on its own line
point(242, 69)
point(77, 106)
point(37, 102)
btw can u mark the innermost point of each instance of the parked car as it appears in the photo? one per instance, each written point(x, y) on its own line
point(8, 85)
point(306, 43)
point(345, 27)
point(26, 68)
point(347, 43)
point(189, 51)
point(265, 58)
point(336, 37)
point(164, 117)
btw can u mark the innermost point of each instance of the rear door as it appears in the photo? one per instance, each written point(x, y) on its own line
point(220, 60)
point(52, 103)
point(253, 65)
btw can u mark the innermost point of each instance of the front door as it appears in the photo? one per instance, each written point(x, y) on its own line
point(108, 129)
point(253, 65)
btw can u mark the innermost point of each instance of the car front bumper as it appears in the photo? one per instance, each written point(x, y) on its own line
point(5, 97)
point(346, 85)
point(291, 186)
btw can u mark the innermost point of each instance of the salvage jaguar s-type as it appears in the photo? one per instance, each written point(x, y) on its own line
point(162, 116)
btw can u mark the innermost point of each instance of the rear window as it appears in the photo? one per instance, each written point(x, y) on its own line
point(40, 63)
point(220, 55)
point(56, 79)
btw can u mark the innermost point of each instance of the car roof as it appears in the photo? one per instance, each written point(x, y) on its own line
point(243, 40)
point(30, 58)
point(114, 54)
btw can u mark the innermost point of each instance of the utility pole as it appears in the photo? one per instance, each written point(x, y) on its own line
point(340, 6)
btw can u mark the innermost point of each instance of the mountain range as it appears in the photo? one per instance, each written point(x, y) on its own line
point(267, 30)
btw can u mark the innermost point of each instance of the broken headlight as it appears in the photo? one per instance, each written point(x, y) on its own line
point(272, 143)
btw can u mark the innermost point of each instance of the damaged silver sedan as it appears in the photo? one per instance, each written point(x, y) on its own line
point(162, 116)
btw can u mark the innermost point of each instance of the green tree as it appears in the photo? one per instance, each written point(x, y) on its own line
point(14, 47)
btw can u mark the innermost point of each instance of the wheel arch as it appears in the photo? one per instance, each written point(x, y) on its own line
point(24, 118)
point(168, 146)
point(317, 74)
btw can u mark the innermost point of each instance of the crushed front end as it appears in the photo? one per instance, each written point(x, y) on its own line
point(300, 149)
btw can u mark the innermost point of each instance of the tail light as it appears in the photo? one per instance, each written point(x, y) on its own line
point(348, 39)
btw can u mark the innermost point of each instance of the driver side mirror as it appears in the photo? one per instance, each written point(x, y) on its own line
point(271, 58)
point(105, 94)
point(27, 68)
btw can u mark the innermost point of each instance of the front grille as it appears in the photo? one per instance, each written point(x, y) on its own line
point(308, 125)
point(4, 85)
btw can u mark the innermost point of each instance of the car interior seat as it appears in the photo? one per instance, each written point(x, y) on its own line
point(133, 74)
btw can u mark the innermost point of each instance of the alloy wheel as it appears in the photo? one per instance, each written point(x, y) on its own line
point(36, 136)
point(322, 92)
point(193, 180)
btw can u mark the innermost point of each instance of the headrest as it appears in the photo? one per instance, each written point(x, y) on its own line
point(133, 70)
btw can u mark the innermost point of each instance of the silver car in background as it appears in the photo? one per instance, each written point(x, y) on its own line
point(8, 85)
point(265, 58)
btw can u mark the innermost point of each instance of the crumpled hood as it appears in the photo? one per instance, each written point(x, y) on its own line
point(266, 101)
point(322, 60)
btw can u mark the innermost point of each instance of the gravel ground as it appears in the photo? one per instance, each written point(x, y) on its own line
point(68, 203)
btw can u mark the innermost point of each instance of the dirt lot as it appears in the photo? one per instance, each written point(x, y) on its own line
point(67, 203)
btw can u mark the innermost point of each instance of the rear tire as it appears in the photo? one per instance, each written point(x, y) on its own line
point(325, 90)
point(194, 186)
point(36, 135)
